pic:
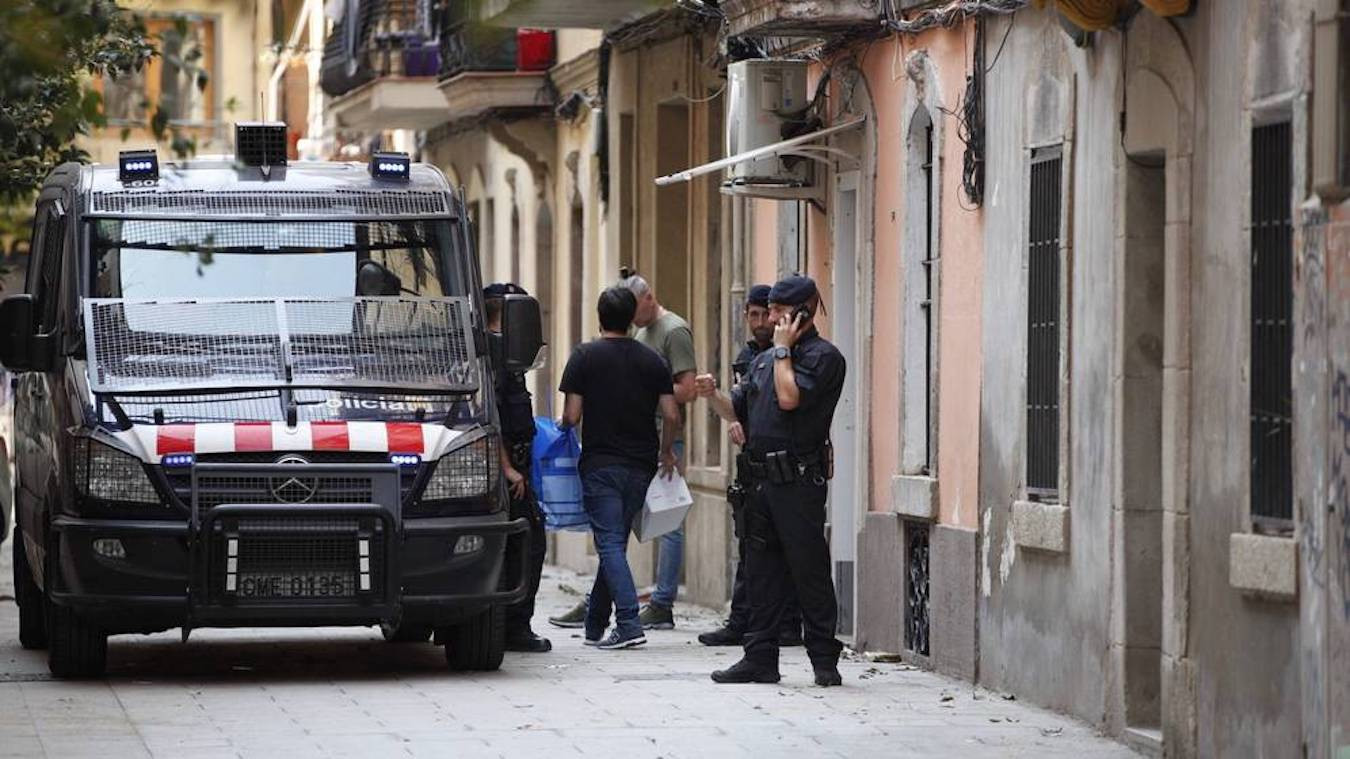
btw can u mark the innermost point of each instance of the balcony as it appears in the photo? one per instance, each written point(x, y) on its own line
point(380, 65)
point(566, 14)
point(798, 18)
point(489, 69)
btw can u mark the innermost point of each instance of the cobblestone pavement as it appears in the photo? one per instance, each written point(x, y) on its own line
point(345, 692)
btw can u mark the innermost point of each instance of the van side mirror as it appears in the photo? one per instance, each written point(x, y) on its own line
point(17, 344)
point(522, 334)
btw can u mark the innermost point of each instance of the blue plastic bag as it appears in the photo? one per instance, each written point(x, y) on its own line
point(555, 478)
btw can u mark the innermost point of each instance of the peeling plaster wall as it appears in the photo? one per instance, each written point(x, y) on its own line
point(1044, 618)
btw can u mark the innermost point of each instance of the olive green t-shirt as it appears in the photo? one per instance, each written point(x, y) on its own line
point(669, 336)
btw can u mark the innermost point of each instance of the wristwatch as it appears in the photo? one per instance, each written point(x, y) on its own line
point(780, 353)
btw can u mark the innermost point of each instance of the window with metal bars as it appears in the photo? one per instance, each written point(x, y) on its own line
point(1043, 323)
point(1272, 331)
point(926, 306)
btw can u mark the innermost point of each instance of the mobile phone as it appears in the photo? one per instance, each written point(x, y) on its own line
point(800, 312)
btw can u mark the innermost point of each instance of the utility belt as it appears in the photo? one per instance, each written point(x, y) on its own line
point(786, 467)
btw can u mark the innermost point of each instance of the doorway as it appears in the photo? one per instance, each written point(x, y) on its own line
point(1143, 325)
point(843, 511)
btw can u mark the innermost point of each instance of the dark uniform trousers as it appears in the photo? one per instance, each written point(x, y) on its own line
point(518, 615)
point(789, 514)
point(739, 619)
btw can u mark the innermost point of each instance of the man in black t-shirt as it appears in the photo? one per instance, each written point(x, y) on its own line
point(616, 385)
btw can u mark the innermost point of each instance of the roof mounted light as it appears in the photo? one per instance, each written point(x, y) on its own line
point(137, 166)
point(390, 167)
point(260, 143)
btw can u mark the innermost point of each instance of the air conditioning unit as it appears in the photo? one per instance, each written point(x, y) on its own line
point(762, 96)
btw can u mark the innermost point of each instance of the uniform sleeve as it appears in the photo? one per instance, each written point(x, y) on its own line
point(680, 351)
point(573, 377)
point(739, 398)
point(819, 374)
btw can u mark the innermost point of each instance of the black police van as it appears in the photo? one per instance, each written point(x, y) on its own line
point(258, 394)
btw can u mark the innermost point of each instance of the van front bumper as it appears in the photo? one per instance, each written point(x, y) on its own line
point(170, 574)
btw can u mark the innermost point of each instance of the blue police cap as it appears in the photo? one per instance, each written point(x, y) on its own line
point(758, 296)
point(503, 289)
point(793, 291)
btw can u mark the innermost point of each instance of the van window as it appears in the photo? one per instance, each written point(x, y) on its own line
point(49, 278)
point(136, 258)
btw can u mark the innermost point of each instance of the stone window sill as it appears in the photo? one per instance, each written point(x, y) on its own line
point(915, 497)
point(1040, 526)
point(1263, 566)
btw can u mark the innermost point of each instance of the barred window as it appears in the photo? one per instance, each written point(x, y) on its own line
point(1272, 332)
point(1043, 323)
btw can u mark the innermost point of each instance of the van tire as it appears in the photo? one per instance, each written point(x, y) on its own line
point(76, 648)
point(406, 633)
point(28, 596)
point(479, 643)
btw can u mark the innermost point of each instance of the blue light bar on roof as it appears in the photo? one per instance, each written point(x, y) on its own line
point(137, 166)
point(392, 167)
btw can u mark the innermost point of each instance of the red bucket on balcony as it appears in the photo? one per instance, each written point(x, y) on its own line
point(534, 49)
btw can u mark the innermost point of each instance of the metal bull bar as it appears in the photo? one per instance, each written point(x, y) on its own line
point(332, 531)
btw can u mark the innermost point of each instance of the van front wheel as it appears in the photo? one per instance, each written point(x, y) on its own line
point(478, 644)
point(76, 649)
point(28, 596)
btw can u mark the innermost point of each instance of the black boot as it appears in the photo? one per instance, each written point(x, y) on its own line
point(827, 675)
point(723, 636)
point(745, 671)
point(529, 643)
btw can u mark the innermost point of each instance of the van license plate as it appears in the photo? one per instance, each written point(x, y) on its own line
point(297, 585)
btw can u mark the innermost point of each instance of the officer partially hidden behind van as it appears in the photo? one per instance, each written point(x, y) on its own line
point(516, 410)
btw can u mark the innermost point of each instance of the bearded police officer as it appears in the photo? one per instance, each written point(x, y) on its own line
point(515, 409)
point(786, 404)
point(733, 632)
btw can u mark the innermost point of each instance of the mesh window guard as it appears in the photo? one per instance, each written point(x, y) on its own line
point(138, 345)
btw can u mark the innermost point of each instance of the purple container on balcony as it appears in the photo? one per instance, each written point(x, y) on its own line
point(422, 59)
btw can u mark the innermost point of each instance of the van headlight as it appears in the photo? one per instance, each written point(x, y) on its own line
point(107, 474)
point(469, 471)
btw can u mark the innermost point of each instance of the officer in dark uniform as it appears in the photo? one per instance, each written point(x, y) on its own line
point(516, 411)
point(786, 403)
point(733, 632)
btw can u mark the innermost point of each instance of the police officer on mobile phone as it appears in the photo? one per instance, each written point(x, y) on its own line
point(786, 403)
point(733, 632)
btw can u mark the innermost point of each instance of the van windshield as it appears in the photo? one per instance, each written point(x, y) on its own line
point(137, 258)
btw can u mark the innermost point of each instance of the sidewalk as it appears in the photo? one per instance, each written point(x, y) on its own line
point(345, 692)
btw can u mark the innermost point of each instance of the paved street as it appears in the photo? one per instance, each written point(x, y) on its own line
point(344, 692)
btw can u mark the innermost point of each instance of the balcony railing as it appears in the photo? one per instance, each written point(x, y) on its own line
point(467, 44)
point(375, 39)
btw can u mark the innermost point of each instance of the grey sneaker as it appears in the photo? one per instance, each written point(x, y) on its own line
point(655, 617)
point(617, 640)
point(576, 617)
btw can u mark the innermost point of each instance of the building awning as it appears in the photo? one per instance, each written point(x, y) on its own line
point(795, 146)
point(1094, 15)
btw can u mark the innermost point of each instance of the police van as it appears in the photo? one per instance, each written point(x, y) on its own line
point(258, 394)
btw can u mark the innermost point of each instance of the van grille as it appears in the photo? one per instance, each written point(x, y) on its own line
point(275, 202)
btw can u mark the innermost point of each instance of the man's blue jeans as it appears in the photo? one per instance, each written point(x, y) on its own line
point(613, 496)
point(670, 557)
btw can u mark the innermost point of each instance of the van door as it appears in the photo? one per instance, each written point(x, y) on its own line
point(36, 429)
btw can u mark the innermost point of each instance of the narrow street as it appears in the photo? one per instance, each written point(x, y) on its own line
point(345, 692)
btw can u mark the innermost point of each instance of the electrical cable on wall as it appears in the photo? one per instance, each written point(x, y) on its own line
point(951, 14)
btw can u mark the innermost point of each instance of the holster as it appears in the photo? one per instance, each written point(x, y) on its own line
point(736, 499)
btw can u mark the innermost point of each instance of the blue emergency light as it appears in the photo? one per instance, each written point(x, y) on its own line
point(178, 460)
point(405, 459)
point(391, 167)
point(137, 166)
